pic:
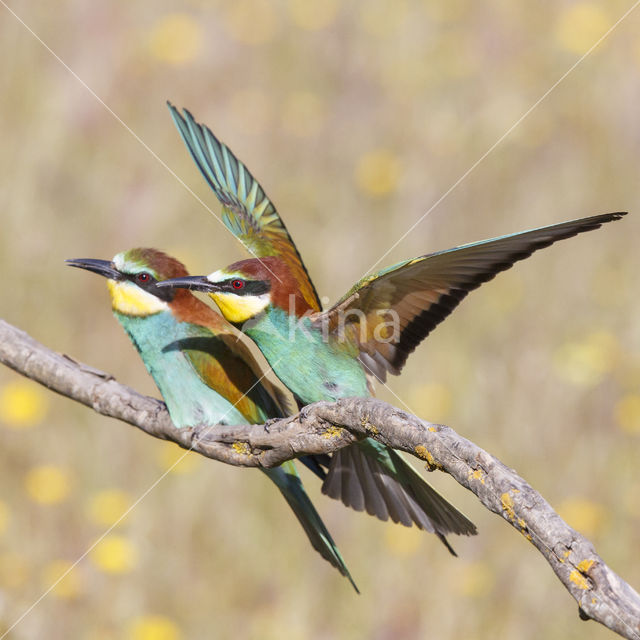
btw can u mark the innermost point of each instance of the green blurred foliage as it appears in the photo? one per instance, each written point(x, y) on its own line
point(356, 117)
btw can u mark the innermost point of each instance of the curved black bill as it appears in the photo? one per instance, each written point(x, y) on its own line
point(101, 267)
point(195, 283)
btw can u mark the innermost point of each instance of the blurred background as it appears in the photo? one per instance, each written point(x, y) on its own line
point(356, 118)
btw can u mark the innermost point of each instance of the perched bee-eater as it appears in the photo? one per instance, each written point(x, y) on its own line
point(206, 375)
point(370, 332)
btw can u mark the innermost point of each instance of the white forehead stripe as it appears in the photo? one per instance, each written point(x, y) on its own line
point(118, 261)
point(220, 275)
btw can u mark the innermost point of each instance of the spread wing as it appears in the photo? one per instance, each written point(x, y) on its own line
point(387, 315)
point(246, 210)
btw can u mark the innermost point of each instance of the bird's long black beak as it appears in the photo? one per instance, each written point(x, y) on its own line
point(101, 267)
point(195, 283)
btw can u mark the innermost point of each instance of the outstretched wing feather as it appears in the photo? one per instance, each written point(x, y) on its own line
point(414, 296)
point(247, 211)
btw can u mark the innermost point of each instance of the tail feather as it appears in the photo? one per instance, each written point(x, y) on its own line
point(288, 481)
point(369, 476)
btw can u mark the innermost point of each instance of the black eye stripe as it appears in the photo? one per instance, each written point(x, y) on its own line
point(165, 294)
point(249, 288)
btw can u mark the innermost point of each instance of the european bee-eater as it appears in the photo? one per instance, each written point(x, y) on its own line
point(370, 331)
point(205, 374)
point(367, 476)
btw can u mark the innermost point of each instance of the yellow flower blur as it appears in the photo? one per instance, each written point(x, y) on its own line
point(580, 26)
point(69, 586)
point(303, 114)
point(377, 172)
point(432, 399)
point(14, 570)
point(477, 580)
point(177, 460)
point(313, 15)
point(22, 404)
point(628, 413)
point(403, 541)
point(176, 39)
point(4, 516)
point(587, 362)
point(114, 554)
point(154, 628)
point(107, 507)
point(48, 484)
point(252, 22)
point(588, 517)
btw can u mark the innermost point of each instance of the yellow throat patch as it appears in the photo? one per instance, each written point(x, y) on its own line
point(239, 309)
point(130, 300)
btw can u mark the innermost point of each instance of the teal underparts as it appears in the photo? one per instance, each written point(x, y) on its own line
point(189, 401)
point(312, 365)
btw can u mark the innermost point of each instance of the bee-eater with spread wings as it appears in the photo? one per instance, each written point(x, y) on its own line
point(370, 331)
point(205, 374)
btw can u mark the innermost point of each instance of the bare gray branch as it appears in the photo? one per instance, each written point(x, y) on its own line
point(324, 427)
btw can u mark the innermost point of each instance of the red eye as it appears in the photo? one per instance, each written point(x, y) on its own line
point(144, 277)
point(237, 284)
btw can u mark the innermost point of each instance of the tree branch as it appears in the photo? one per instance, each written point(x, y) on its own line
point(324, 427)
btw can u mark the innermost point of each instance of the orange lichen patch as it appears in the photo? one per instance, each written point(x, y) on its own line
point(241, 447)
point(332, 432)
point(368, 427)
point(422, 452)
point(524, 529)
point(579, 575)
point(478, 474)
point(585, 565)
point(507, 504)
point(432, 429)
point(425, 454)
point(578, 579)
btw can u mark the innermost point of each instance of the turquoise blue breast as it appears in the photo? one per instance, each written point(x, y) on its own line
point(314, 367)
point(189, 401)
